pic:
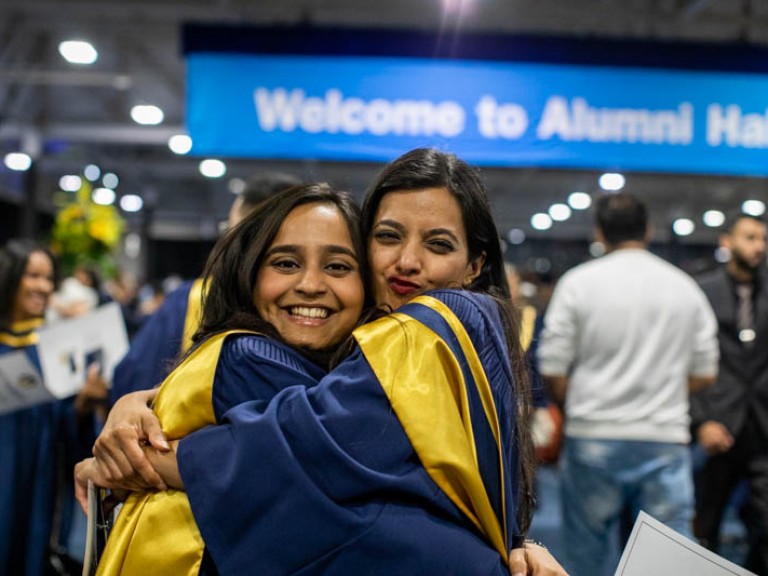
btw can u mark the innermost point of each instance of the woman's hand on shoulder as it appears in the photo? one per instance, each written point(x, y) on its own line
point(131, 424)
point(534, 560)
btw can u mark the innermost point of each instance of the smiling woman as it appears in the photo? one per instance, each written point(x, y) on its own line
point(41, 437)
point(287, 278)
point(411, 455)
point(303, 288)
point(28, 435)
point(35, 288)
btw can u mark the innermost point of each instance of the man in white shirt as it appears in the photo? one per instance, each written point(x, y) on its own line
point(625, 338)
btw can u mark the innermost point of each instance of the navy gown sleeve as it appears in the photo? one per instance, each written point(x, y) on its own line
point(154, 348)
point(256, 368)
point(324, 480)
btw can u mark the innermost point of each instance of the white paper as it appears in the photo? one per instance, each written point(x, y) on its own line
point(656, 549)
point(21, 384)
point(68, 347)
point(90, 558)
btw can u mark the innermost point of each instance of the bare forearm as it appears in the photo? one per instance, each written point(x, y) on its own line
point(696, 383)
point(166, 465)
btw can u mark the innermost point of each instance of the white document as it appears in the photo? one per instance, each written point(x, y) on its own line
point(68, 347)
point(656, 549)
point(91, 557)
point(99, 525)
point(21, 384)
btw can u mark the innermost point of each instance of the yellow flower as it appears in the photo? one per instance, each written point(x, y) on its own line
point(85, 232)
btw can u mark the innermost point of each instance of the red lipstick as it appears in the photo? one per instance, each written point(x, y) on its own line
point(401, 286)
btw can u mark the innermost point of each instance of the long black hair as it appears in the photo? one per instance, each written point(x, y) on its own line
point(424, 168)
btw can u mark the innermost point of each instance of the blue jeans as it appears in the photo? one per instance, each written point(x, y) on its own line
point(603, 479)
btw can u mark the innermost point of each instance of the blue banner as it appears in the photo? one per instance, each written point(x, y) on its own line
point(489, 113)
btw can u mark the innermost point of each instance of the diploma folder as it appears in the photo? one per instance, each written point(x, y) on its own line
point(656, 549)
point(68, 347)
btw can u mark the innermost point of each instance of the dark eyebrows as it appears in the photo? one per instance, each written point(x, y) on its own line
point(431, 232)
point(284, 249)
point(442, 231)
point(294, 249)
point(336, 249)
point(391, 223)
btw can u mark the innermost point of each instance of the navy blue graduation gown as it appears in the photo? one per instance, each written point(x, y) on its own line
point(339, 478)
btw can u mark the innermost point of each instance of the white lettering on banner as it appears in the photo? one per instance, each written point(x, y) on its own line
point(279, 109)
point(732, 128)
point(569, 119)
point(508, 121)
point(576, 120)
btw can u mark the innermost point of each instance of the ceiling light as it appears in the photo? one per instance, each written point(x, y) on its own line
point(597, 249)
point(212, 168)
point(147, 114)
point(722, 255)
point(753, 207)
point(559, 212)
point(579, 200)
point(110, 180)
point(611, 181)
point(180, 143)
point(78, 52)
point(236, 185)
point(713, 218)
point(131, 203)
point(541, 221)
point(18, 161)
point(516, 236)
point(132, 245)
point(683, 226)
point(92, 172)
point(70, 183)
point(103, 196)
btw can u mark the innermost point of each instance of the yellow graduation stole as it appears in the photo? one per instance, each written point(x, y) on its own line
point(428, 392)
point(155, 532)
point(194, 314)
point(22, 334)
point(527, 326)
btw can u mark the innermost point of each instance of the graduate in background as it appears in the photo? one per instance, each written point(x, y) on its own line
point(30, 437)
point(27, 436)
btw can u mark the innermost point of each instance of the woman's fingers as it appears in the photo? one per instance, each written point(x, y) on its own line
point(120, 453)
point(131, 425)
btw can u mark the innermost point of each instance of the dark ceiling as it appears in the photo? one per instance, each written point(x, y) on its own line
point(72, 116)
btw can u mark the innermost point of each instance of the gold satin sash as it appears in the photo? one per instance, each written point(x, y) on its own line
point(194, 314)
point(22, 334)
point(155, 532)
point(527, 326)
point(427, 390)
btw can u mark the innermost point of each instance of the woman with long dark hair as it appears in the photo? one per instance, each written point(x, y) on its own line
point(412, 454)
point(282, 290)
point(28, 435)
